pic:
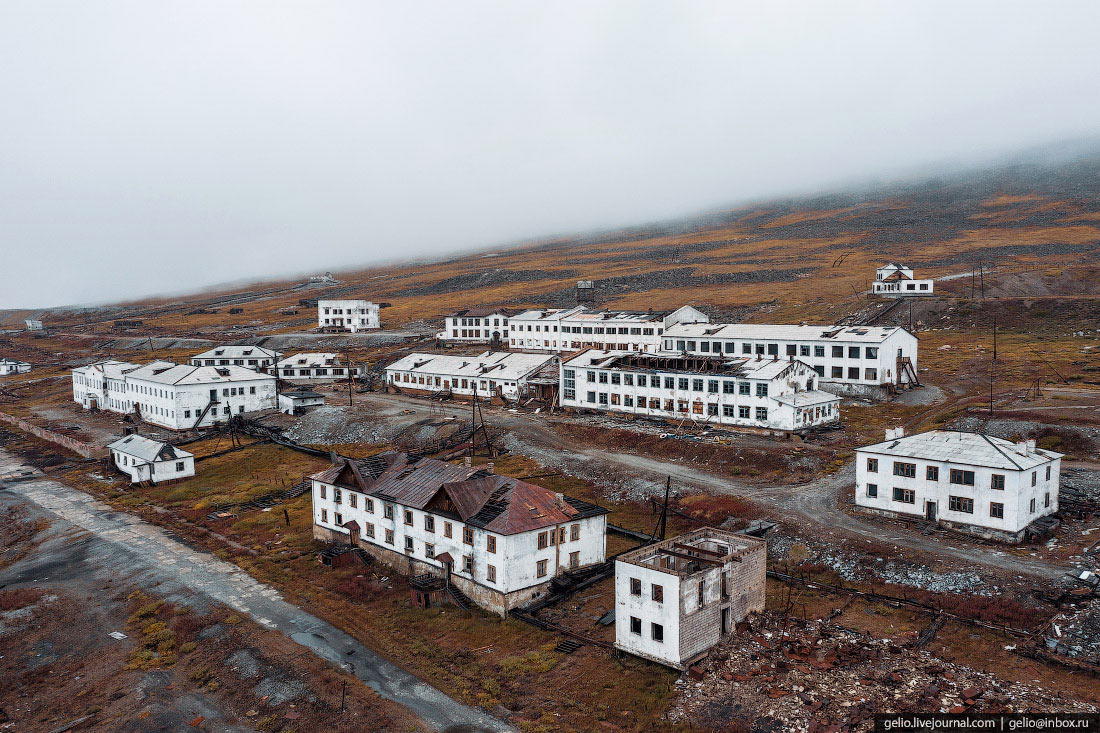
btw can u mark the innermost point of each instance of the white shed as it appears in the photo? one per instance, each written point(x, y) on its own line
point(145, 459)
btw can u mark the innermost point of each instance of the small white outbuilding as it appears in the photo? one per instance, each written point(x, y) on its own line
point(145, 459)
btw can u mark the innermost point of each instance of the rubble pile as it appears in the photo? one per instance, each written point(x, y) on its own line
point(1077, 634)
point(786, 674)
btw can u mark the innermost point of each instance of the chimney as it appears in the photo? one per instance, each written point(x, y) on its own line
point(1021, 447)
point(559, 499)
point(490, 466)
point(466, 460)
point(1031, 445)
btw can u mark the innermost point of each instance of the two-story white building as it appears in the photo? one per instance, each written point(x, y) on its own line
point(315, 367)
point(13, 366)
point(849, 359)
point(498, 539)
point(503, 373)
point(145, 459)
point(348, 315)
point(476, 326)
point(102, 385)
point(571, 329)
point(768, 394)
point(972, 482)
point(256, 358)
point(181, 397)
point(897, 281)
point(676, 599)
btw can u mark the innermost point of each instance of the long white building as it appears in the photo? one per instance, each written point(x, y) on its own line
point(315, 367)
point(256, 358)
point(577, 328)
point(174, 396)
point(347, 315)
point(508, 373)
point(973, 482)
point(145, 459)
point(498, 539)
point(847, 358)
point(676, 599)
point(897, 281)
point(770, 394)
point(476, 326)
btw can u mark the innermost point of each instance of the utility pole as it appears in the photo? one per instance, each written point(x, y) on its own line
point(981, 276)
point(349, 379)
point(910, 316)
point(994, 339)
point(991, 388)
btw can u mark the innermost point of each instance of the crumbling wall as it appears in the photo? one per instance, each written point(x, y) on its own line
point(82, 449)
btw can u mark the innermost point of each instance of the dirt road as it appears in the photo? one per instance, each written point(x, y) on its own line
point(123, 543)
point(815, 502)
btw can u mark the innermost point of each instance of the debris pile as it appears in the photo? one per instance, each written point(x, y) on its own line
point(1077, 634)
point(793, 675)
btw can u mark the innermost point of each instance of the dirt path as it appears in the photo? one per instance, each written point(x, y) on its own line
point(814, 502)
point(123, 541)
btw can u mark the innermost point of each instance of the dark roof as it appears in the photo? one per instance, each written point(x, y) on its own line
point(500, 504)
point(482, 312)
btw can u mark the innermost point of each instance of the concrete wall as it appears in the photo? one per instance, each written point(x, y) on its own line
point(76, 446)
point(178, 406)
point(649, 611)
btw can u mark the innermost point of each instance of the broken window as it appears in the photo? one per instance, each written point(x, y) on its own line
point(872, 490)
point(658, 632)
point(635, 587)
point(909, 470)
point(960, 504)
point(543, 540)
point(997, 481)
point(658, 593)
point(490, 543)
point(429, 550)
point(872, 465)
point(446, 529)
point(932, 473)
point(762, 414)
point(575, 532)
point(905, 496)
point(467, 535)
point(389, 536)
point(408, 517)
point(574, 559)
point(491, 573)
point(635, 625)
point(429, 523)
point(743, 412)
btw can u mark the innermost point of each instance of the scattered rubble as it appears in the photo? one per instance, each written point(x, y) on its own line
point(786, 674)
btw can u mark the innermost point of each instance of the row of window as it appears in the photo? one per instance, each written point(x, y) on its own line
point(684, 384)
point(958, 476)
point(961, 504)
point(603, 399)
point(479, 321)
point(772, 349)
point(594, 330)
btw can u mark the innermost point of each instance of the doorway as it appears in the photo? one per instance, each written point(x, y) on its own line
point(930, 510)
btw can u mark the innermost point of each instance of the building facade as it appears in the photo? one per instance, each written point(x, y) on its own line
point(505, 373)
point(476, 326)
point(975, 483)
point(897, 281)
point(498, 539)
point(572, 329)
point(348, 315)
point(315, 367)
point(144, 459)
point(256, 358)
point(767, 394)
point(102, 385)
point(847, 358)
point(676, 599)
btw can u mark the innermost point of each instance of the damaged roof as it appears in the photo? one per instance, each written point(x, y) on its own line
point(499, 504)
point(147, 449)
point(784, 332)
point(499, 365)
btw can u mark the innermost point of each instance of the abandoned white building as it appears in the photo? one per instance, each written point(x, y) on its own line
point(315, 367)
point(508, 375)
point(580, 327)
point(476, 325)
point(347, 315)
point(174, 396)
point(181, 397)
point(498, 540)
point(972, 482)
point(769, 394)
point(102, 385)
point(897, 281)
point(145, 459)
point(33, 324)
point(859, 359)
point(256, 358)
point(676, 599)
point(13, 366)
point(297, 401)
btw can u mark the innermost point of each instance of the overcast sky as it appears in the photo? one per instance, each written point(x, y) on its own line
point(151, 147)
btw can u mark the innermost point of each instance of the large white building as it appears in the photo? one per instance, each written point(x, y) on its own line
point(577, 328)
point(347, 315)
point(102, 385)
point(476, 326)
point(145, 459)
point(315, 367)
point(508, 373)
point(13, 366)
point(973, 482)
point(256, 358)
point(174, 396)
point(676, 599)
point(498, 539)
point(847, 358)
point(770, 394)
point(896, 281)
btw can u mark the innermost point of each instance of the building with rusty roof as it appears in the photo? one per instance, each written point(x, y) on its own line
point(498, 539)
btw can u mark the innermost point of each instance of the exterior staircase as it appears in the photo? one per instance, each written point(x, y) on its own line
point(461, 600)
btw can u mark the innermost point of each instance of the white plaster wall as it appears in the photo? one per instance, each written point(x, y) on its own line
point(666, 613)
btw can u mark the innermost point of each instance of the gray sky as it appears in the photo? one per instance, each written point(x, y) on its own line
point(153, 147)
